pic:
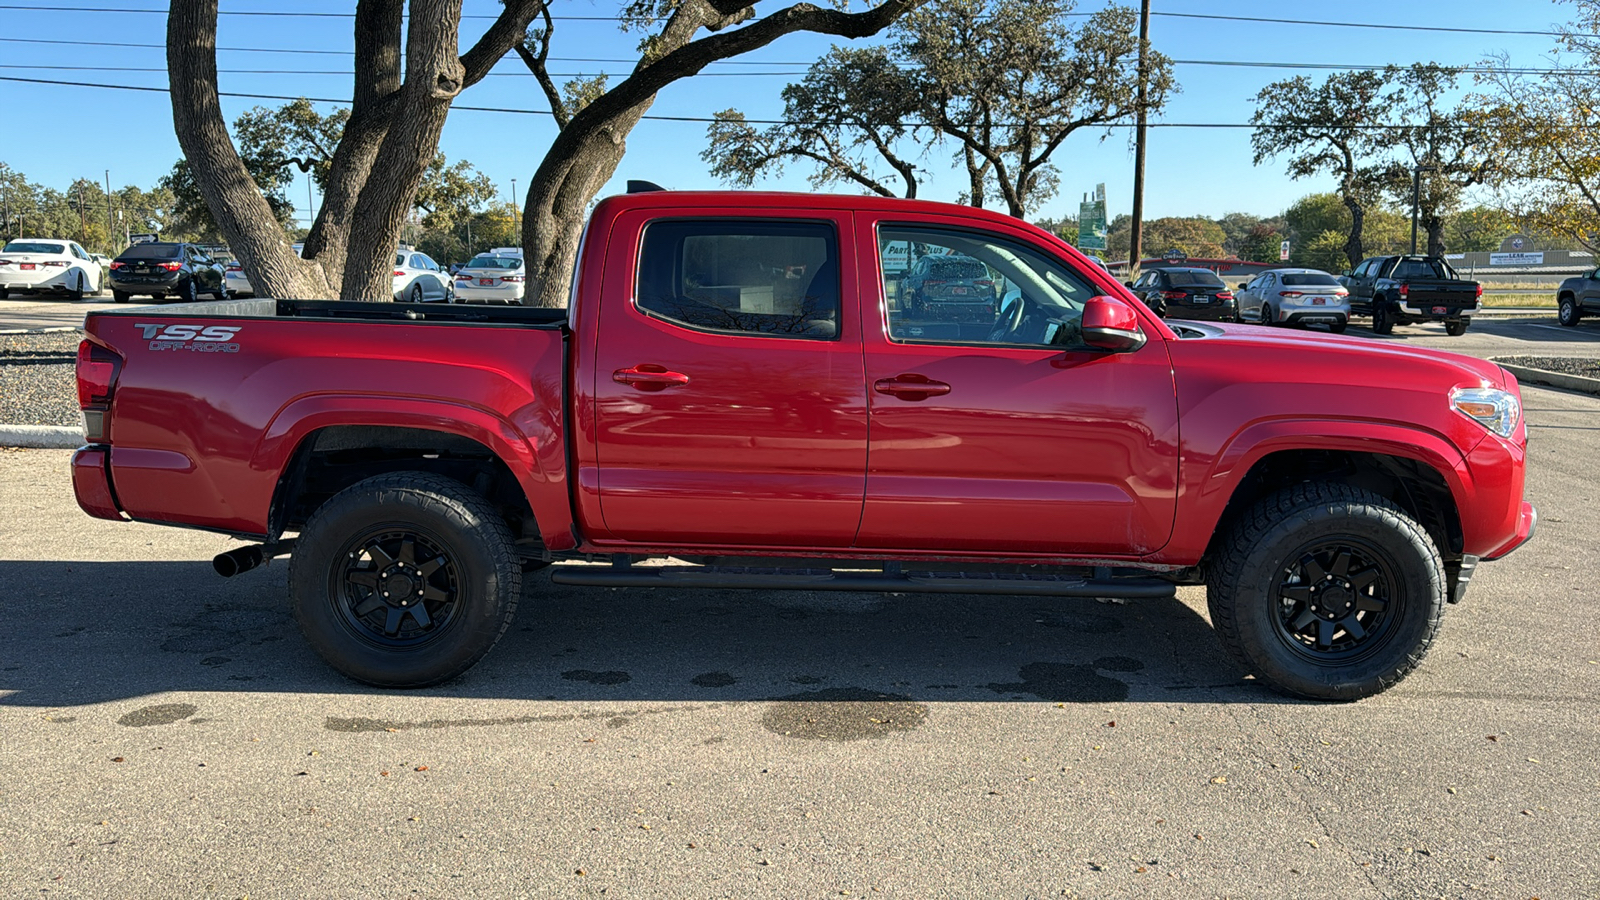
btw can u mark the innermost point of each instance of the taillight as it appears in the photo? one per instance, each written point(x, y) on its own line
point(171, 266)
point(1480, 291)
point(1224, 295)
point(236, 268)
point(118, 266)
point(1173, 295)
point(398, 273)
point(984, 282)
point(53, 264)
point(513, 279)
point(1405, 291)
point(6, 262)
point(1289, 294)
point(1341, 292)
point(463, 277)
point(97, 373)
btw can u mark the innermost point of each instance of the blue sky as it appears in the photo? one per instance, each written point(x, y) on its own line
point(1189, 171)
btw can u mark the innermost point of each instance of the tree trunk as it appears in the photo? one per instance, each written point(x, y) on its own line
point(1435, 226)
point(1354, 250)
point(434, 76)
point(236, 203)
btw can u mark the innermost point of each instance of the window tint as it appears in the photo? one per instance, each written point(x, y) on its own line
point(758, 277)
point(1418, 268)
point(31, 247)
point(153, 251)
point(1310, 278)
point(957, 268)
point(1022, 297)
point(484, 261)
point(1194, 279)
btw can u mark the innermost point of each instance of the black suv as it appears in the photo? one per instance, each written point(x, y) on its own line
point(1186, 293)
point(161, 269)
point(946, 286)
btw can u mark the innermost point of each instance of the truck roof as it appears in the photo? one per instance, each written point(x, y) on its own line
point(790, 200)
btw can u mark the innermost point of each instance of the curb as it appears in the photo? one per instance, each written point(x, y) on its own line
point(48, 329)
point(41, 437)
point(1526, 375)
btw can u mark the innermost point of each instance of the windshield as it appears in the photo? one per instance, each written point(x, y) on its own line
point(152, 251)
point(30, 247)
point(1197, 279)
point(486, 261)
point(1310, 278)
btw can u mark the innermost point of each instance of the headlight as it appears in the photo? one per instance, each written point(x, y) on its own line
point(1492, 408)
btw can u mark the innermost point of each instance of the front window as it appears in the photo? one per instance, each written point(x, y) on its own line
point(770, 278)
point(979, 288)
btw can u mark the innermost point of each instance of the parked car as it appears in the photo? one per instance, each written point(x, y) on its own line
point(418, 279)
point(1179, 292)
point(728, 387)
point(238, 283)
point(159, 269)
point(1295, 297)
point(1577, 297)
point(46, 265)
point(491, 278)
point(949, 286)
point(1400, 290)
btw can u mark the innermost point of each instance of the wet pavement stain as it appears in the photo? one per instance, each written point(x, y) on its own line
point(162, 714)
point(1119, 664)
point(1065, 683)
point(611, 677)
point(1081, 622)
point(713, 680)
point(843, 714)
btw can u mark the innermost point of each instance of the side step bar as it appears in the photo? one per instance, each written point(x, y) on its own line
point(1134, 588)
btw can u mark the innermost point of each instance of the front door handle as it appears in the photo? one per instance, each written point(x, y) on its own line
point(911, 386)
point(649, 377)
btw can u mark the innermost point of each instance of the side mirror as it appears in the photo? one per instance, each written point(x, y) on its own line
point(1244, 285)
point(1110, 324)
point(1128, 285)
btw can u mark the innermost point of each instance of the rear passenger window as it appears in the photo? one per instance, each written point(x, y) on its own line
point(779, 279)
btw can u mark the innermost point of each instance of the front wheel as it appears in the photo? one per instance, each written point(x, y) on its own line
point(1456, 329)
point(1567, 312)
point(404, 580)
point(416, 293)
point(1326, 591)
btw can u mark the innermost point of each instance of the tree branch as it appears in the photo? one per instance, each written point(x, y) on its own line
point(504, 34)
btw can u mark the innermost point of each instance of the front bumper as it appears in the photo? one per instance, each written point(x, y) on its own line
point(1527, 524)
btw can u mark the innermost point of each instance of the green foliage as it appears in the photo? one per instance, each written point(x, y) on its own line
point(78, 213)
point(1262, 244)
point(1323, 251)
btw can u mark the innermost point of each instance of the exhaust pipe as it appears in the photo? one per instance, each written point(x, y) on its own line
point(243, 559)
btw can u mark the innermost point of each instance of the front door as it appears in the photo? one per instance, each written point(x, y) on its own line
point(1010, 435)
point(730, 404)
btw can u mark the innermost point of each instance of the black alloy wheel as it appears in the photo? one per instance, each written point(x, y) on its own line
point(1337, 600)
point(395, 587)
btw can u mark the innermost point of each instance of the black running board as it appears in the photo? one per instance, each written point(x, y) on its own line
point(1135, 588)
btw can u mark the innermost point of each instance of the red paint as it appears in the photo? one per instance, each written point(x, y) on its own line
point(690, 441)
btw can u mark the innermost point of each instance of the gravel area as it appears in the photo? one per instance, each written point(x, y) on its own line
point(1589, 368)
point(37, 386)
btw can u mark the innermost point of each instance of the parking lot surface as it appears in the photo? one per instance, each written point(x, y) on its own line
point(168, 733)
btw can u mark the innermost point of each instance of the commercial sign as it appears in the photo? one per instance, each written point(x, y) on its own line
point(1517, 259)
point(1283, 250)
point(1092, 221)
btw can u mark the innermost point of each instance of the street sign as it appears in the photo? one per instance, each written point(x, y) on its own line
point(143, 238)
point(1283, 250)
point(1092, 221)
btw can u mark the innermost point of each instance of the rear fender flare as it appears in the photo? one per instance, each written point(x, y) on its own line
point(296, 421)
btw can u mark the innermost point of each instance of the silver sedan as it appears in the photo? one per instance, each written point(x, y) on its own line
point(1295, 297)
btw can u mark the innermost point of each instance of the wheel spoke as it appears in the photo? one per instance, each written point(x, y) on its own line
point(1341, 563)
point(408, 552)
point(1299, 593)
point(380, 556)
point(368, 605)
point(420, 613)
point(429, 592)
point(431, 566)
point(392, 624)
point(1305, 618)
point(1324, 633)
point(1352, 627)
point(1363, 579)
point(1313, 569)
point(364, 577)
point(1370, 604)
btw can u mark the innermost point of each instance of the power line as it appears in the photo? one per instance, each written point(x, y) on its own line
point(345, 73)
point(700, 119)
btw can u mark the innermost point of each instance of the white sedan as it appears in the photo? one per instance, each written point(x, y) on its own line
point(418, 279)
point(38, 265)
point(493, 277)
point(239, 283)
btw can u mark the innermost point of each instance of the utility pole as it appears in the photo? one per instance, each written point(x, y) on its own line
point(83, 222)
point(109, 238)
point(1136, 235)
point(1416, 200)
point(515, 227)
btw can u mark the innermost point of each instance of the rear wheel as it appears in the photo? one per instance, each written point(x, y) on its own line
point(188, 292)
point(1382, 318)
point(77, 291)
point(405, 580)
point(4, 294)
point(1327, 591)
point(1456, 329)
point(120, 296)
point(1337, 327)
point(1567, 312)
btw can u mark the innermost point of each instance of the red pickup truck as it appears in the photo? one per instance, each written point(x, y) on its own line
point(737, 385)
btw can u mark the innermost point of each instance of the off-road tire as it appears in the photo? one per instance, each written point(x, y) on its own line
point(1567, 312)
point(1382, 317)
point(1261, 561)
point(1455, 329)
point(478, 575)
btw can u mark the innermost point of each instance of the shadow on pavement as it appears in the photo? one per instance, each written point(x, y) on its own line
point(91, 632)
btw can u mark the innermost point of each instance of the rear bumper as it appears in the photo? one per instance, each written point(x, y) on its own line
point(1312, 316)
point(1425, 311)
point(1219, 312)
point(91, 482)
point(471, 293)
point(145, 284)
point(51, 279)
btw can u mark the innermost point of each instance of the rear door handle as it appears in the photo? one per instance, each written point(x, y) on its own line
point(649, 377)
point(911, 387)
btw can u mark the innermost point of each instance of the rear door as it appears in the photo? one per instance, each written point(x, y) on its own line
point(1589, 291)
point(1010, 436)
point(730, 402)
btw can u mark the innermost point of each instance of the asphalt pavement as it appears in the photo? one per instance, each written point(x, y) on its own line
point(166, 733)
